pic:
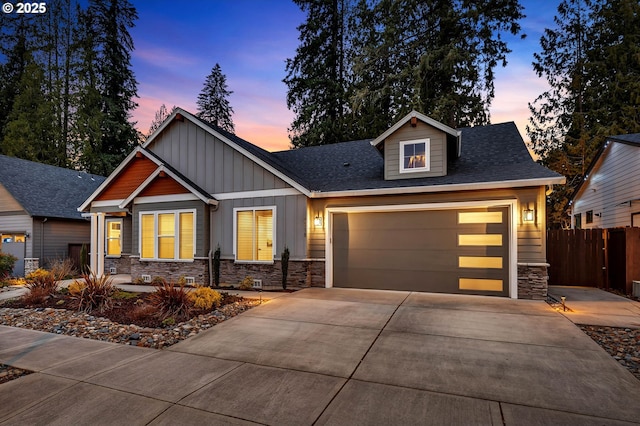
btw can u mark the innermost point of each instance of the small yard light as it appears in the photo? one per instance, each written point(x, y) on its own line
point(317, 221)
point(528, 215)
point(564, 307)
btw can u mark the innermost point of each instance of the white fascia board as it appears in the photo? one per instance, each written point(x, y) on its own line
point(428, 120)
point(233, 145)
point(165, 198)
point(439, 188)
point(114, 174)
point(107, 203)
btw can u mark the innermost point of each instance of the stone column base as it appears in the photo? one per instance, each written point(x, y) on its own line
point(533, 281)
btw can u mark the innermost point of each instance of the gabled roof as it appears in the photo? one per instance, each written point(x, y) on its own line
point(494, 156)
point(162, 167)
point(415, 114)
point(632, 139)
point(44, 190)
point(260, 156)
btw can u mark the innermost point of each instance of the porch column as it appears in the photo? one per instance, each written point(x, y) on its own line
point(93, 255)
point(100, 245)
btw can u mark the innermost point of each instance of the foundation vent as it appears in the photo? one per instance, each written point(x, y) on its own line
point(189, 280)
point(257, 283)
point(113, 270)
point(146, 278)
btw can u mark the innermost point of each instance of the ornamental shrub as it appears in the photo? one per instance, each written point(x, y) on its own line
point(170, 300)
point(247, 283)
point(7, 261)
point(94, 293)
point(205, 298)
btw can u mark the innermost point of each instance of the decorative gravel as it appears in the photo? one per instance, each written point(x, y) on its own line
point(77, 324)
point(9, 373)
point(623, 344)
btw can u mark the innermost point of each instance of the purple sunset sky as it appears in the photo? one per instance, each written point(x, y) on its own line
point(177, 44)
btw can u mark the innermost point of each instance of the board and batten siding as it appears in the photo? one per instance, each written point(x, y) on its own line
point(531, 237)
point(202, 223)
point(210, 163)
point(18, 223)
point(612, 190)
point(51, 238)
point(290, 228)
point(437, 152)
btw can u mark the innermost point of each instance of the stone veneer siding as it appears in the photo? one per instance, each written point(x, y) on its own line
point(302, 273)
point(533, 281)
point(171, 271)
point(122, 264)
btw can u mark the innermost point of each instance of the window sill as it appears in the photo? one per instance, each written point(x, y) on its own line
point(254, 262)
point(113, 256)
point(423, 169)
point(167, 260)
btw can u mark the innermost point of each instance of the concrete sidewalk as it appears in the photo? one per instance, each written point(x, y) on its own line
point(592, 306)
point(333, 356)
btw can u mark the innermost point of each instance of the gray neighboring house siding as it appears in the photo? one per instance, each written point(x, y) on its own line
point(43, 201)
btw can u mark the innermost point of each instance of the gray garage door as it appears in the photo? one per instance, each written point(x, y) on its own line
point(445, 251)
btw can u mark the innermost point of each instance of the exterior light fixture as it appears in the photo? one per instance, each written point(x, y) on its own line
point(528, 215)
point(564, 306)
point(317, 221)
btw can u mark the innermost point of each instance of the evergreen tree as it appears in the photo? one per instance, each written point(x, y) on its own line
point(162, 114)
point(15, 35)
point(213, 103)
point(591, 60)
point(29, 130)
point(435, 57)
point(317, 76)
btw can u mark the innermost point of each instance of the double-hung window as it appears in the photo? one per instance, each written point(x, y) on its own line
point(414, 156)
point(113, 237)
point(254, 234)
point(167, 235)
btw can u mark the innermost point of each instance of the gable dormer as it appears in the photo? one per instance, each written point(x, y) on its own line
point(416, 147)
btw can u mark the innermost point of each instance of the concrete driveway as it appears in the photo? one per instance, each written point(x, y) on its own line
point(341, 356)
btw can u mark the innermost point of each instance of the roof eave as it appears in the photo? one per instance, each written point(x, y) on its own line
point(441, 188)
point(425, 119)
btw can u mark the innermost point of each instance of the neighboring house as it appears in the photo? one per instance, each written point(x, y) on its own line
point(609, 195)
point(422, 207)
point(39, 218)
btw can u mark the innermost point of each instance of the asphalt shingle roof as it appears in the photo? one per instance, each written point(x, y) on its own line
point(47, 191)
point(492, 153)
point(633, 138)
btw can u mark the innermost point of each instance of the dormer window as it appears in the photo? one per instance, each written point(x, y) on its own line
point(414, 156)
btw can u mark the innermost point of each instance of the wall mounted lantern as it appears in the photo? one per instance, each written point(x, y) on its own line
point(317, 221)
point(528, 215)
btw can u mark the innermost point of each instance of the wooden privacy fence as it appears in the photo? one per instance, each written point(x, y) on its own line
point(605, 258)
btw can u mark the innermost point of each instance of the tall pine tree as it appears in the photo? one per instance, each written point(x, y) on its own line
point(317, 77)
point(591, 60)
point(213, 103)
point(107, 86)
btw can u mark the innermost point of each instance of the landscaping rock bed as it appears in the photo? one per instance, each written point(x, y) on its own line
point(623, 344)
point(77, 324)
point(9, 373)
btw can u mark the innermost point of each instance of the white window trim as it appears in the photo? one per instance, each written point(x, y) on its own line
point(235, 233)
point(176, 242)
point(106, 237)
point(427, 155)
